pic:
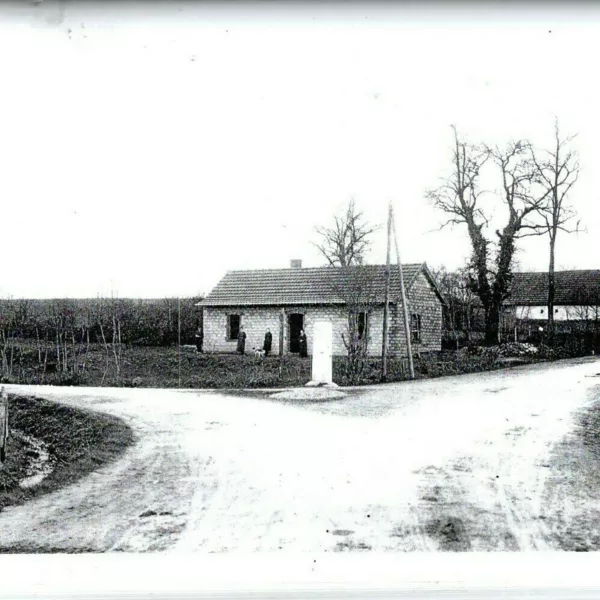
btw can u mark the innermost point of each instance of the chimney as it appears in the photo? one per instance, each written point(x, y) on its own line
point(295, 264)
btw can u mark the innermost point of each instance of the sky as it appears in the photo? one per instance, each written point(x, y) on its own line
point(148, 148)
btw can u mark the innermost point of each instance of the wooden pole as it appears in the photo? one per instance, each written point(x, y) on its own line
point(404, 306)
point(281, 332)
point(384, 346)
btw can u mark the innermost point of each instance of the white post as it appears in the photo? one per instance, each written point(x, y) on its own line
point(321, 356)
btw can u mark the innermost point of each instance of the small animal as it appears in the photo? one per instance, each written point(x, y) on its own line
point(259, 353)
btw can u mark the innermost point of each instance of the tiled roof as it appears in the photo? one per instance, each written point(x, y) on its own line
point(280, 287)
point(572, 288)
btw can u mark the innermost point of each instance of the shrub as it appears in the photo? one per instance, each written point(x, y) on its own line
point(517, 349)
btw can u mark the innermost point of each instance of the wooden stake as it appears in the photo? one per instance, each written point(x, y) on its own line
point(384, 347)
point(404, 306)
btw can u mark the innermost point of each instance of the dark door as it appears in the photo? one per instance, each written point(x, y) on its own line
point(296, 323)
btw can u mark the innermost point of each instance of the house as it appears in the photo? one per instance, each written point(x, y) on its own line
point(285, 301)
point(577, 296)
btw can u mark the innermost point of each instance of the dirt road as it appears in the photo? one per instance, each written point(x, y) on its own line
point(482, 462)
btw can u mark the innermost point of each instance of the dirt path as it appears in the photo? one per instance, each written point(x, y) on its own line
point(461, 463)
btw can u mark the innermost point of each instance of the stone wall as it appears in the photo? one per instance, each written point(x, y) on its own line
point(257, 320)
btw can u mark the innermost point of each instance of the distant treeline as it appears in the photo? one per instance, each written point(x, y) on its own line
point(156, 322)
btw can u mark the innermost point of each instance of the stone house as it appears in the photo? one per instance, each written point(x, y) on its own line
point(285, 301)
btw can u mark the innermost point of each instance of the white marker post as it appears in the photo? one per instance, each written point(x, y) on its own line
point(321, 356)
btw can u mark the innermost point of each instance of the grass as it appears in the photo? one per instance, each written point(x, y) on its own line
point(575, 474)
point(78, 441)
point(159, 367)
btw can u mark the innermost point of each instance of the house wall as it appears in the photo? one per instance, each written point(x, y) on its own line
point(422, 300)
point(561, 313)
point(256, 320)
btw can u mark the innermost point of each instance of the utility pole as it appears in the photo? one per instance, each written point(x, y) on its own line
point(404, 306)
point(384, 347)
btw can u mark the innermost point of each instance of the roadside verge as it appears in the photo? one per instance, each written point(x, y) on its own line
point(51, 445)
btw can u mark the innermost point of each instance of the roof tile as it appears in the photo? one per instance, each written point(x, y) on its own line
point(572, 288)
point(301, 285)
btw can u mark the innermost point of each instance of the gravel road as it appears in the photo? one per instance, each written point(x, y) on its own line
point(492, 461)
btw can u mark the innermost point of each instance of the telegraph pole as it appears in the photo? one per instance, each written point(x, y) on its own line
point(384, 347)
point(404, 306)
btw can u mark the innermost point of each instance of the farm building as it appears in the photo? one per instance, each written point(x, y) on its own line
point(576, 303)
point(577, 296)
point(286, 301)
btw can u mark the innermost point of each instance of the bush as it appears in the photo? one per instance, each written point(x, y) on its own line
point(68, 379)
point(517, 349)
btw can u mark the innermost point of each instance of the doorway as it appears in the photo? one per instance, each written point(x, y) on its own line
point(296, 324)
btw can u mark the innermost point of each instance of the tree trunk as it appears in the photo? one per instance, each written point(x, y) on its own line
point(492, 323)
point(39, 347)
point(596, 337)
point(105, 352)
point(46, 350)
point(551, 286)
point(58, 363)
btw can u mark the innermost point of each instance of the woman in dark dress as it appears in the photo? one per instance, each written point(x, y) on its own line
point(199, 339)
point(241, 343)
point(303, 344)
point(268, 343)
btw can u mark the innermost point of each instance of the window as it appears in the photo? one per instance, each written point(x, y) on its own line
point(233, 326)
point(361, 325)
point(358, 323)
point(415, 328)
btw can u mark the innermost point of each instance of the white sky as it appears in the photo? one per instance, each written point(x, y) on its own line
point(149, 148)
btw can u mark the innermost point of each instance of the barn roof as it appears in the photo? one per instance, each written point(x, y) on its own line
point(295, 286)
point(572, 288)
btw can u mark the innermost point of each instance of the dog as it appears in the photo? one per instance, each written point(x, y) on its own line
point(259, 353)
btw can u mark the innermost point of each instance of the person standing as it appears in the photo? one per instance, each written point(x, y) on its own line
point(303, 344)
point(199, 337)
point(268, 342)
point(241, 343)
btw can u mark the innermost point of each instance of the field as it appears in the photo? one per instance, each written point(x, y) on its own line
point(97, 365)
point(134, 343)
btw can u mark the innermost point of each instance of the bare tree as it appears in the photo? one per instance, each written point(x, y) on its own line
point(460, 198)
point(557, 170)
point(460, 297)
point(346, 242)
point(355, 287)
point(8, 326)
point(523, 202)
point(345, 245)
point(117, 346)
